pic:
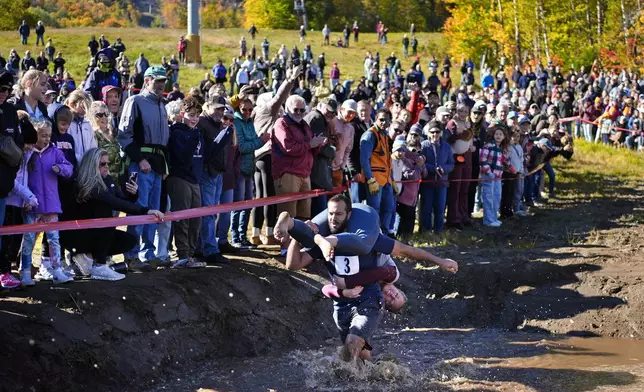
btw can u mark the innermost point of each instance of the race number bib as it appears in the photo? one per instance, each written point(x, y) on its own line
point(347, 265)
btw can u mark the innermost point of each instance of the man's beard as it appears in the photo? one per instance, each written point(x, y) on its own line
point(340, 229)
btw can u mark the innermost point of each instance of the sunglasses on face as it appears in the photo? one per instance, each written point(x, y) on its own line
point(399, 130)
point(477, 113)
point(5, 89)
point(299, 110)
point(103, 164)
point(101, 115)
point(384, 120)
point(434, 132)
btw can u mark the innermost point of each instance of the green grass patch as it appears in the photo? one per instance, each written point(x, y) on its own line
point(220, 44)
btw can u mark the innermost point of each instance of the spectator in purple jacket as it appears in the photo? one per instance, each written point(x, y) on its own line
point(45, 165)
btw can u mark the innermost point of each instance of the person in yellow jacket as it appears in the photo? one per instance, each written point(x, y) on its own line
point(375, 158)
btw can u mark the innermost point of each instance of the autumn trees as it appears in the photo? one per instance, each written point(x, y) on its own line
point(574, 32)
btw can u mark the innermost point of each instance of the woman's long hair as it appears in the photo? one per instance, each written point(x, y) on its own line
point(99, 107)
point(89, 181)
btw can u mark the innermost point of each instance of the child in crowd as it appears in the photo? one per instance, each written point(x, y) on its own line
point(45, 165)
point(80, 128)
point(492, 159)
point(19, 198)
point(63, 118)
point(185, 150)
point(517, 161)
point(605, 128)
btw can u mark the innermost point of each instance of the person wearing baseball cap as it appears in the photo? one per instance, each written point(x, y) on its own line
point(215, 125)
point(345, 132)
point(146, 154)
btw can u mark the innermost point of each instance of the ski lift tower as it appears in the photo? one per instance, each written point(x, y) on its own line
point(300, 12)
point(193, 51)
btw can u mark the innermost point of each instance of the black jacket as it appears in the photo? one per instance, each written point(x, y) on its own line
point(354, 157)
point(215, 145)
point(21, 133)
point(101, 204)
point(19, 104)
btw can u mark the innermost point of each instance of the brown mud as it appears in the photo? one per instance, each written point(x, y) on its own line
point(503, 323)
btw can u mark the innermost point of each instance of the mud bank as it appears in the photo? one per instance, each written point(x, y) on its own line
point(575, 267)
point(122, 335)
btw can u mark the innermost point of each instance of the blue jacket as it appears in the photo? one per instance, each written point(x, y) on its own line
point(219, 71)
point(445, 159)
point(247, 142)
point(185, 150)
point(98, 79)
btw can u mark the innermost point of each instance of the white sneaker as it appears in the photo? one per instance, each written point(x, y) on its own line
point(43, 274)
point(103, 272)
point(25, 279)
point(494, 224)
point(84, 263)
point(69, 271)
point(60, 277)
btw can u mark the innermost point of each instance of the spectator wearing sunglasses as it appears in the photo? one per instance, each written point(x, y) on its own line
point(100, 118)
point(375, 158)
point(293, 149)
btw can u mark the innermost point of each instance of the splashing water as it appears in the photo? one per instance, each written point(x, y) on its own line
point(330, 373)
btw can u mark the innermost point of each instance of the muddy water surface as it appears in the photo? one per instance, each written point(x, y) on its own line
point(431, 359)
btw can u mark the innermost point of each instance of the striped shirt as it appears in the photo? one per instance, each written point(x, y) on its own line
point(492, 160)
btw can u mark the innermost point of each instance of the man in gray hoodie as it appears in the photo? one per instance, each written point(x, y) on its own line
point(144, 139)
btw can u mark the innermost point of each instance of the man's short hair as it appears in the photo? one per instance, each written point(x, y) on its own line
point(64, 114)
point(342, 198)
point(190, 104)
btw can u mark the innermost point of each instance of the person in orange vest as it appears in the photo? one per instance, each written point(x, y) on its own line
point(375, 158)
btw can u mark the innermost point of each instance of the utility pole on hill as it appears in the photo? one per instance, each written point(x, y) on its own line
point(193, 51)
point(300, 12)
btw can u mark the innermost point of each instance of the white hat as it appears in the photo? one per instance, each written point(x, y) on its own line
point(350, 104)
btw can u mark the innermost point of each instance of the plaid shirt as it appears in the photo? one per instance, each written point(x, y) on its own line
point(492, 160)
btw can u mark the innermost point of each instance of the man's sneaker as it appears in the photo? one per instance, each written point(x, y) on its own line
point(217, 258)
point(543, 195)
point(60, 277)
point(494, 224)
point(25, 278)
point(165, 263)
point(8, 281)
point(539, 204)
point(227, 248)
point(104, 272)
point(194, 263)
point(256, 241)
point(238, 245)
point(84, 263)
point(138, 265)
point(551, 195)
point(43, 274)
point(520, 213)
point(188, 263)
point(248, 244)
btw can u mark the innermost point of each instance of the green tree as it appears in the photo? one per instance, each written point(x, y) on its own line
point(274, 14)
point(13, 12)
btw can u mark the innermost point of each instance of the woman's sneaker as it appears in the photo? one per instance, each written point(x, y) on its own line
point(188, 263)
point(25, 278)
point(44, 274)
point(60, 277)
point(84, 263)
point(8, 281)
point(103, 272)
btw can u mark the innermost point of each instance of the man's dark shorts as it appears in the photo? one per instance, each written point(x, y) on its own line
point(360, 317)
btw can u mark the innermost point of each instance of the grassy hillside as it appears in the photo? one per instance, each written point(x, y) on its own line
point(216, 44)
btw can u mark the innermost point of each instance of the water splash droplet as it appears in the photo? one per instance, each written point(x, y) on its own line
point(230, 295)
point(32, 342)
point(156, 331)
point(268, 299)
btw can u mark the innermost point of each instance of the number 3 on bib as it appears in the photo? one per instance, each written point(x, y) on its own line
point(347, 265)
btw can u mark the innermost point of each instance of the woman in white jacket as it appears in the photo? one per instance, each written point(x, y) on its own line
point(80, 128)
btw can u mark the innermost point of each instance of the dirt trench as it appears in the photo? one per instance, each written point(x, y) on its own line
point(575, 267)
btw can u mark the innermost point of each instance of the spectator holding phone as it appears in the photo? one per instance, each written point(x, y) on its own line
point(96, 195)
